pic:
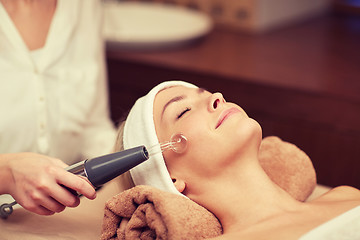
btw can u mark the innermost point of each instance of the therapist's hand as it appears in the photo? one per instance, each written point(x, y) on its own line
point(35, 181)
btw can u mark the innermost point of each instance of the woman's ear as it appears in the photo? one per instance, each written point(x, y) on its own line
point(180, 185)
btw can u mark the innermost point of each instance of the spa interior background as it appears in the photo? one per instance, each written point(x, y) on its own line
point(298, 76)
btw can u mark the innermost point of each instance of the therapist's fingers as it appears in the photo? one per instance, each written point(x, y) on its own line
point(46, 205)
point(40, 210)
point(77, 183)
point(29, 203)
point(59, 163)
point(51, 205)
point(49, 200)
point(37, 183)
point(66, 196)
point(39, 200)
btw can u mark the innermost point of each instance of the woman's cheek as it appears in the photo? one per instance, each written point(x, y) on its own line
point(194, 129)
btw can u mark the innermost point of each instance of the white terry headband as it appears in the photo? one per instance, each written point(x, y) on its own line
point(140, 130)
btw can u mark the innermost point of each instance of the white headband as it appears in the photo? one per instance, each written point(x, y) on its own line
point(139, 130)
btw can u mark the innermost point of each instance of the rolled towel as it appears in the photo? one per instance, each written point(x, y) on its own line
point(288, 166)
point(144, 212)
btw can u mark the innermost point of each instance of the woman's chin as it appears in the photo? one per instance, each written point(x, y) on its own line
point(257, 129)
point(249, 135)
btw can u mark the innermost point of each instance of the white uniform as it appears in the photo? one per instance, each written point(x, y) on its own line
point(54, 100)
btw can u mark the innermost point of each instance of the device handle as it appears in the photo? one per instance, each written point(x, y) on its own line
point(104, 168)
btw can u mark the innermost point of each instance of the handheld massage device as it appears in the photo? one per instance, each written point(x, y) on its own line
point(99, 170)
point(102, 169)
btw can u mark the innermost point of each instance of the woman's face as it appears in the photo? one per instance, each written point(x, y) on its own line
point(218, 132)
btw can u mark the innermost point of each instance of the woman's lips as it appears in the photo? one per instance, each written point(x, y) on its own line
point(225, 115)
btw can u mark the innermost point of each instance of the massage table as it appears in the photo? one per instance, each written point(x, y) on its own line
point(83, 222)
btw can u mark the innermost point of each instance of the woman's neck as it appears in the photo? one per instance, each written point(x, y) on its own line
point(32, 19)
point(243, 196)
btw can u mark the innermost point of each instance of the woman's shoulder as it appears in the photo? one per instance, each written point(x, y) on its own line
point(341, 193)
point(351, 191)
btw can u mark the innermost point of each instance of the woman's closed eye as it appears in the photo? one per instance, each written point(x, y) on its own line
point(183, 112)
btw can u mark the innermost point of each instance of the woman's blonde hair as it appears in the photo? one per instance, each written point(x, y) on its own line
point(125, 179)
point(119, 144)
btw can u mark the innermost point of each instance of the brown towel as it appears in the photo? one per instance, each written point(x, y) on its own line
point(144, 212)
point(288, 166)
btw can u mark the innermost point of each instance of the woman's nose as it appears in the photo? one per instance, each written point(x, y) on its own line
point(216, 100)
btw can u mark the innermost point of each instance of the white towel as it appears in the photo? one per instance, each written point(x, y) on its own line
point(343, 227)
point(139, 130)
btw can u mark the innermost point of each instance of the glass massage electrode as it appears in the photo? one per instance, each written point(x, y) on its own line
point(177, 143)
point(102, 169)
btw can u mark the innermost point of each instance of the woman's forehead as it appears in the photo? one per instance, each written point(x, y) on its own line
point(171, 89)
point(170, 92)
point(178, 90)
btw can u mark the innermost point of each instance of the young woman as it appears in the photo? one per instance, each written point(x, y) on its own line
point(220, 169)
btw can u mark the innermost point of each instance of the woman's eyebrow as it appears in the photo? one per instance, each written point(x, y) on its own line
point(174, 99)
point(201, 90)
